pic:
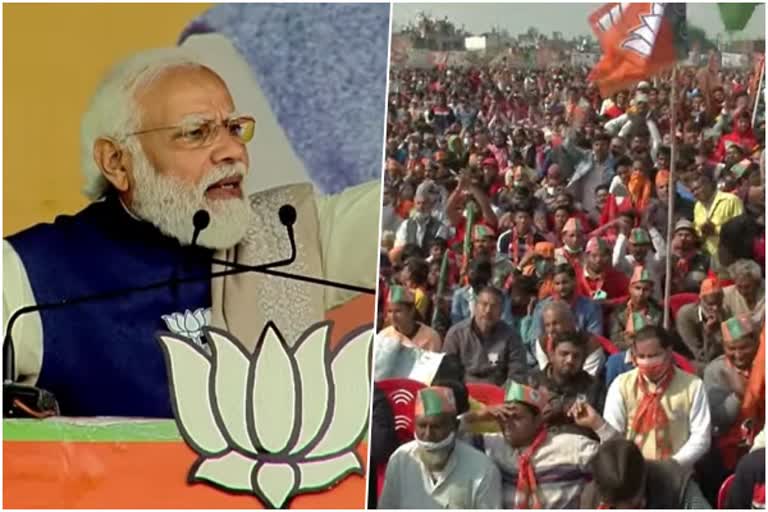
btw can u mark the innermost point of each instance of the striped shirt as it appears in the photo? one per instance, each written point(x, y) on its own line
point(560, 465)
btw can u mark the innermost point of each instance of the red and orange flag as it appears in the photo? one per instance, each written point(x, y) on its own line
point(638, 41)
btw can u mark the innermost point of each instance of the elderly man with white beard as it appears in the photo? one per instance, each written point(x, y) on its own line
point(436, 470)
point(162, 139)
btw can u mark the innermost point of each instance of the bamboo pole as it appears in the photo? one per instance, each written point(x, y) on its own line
point(671, 197)
point(757, 92)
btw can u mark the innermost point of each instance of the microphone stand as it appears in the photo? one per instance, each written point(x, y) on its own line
point(24, 401)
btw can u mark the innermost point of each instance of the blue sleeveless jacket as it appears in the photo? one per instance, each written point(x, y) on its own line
point(100, 358)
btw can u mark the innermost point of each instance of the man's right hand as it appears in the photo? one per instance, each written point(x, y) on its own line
point(584, 415)
point(497, 412)
point(711, 324)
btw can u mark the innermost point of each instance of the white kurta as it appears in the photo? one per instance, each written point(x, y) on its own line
point(470, 480)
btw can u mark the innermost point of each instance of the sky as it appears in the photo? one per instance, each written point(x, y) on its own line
point(568, 18)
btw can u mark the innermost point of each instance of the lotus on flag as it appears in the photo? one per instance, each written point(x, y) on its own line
point(638, 40)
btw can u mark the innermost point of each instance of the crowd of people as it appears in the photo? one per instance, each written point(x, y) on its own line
point(525, 244)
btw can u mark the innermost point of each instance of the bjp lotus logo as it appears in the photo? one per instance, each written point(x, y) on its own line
point(277, 423)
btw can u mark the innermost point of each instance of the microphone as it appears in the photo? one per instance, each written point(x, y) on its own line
point(25, 401)
point(287, 215)
point(200, 220)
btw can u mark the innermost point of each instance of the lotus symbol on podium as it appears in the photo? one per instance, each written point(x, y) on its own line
point(277, 423)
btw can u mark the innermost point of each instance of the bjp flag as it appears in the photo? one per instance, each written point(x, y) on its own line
point(638, 41)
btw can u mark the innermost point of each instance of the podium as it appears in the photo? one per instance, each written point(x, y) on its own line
point(112, 463)
point(124, 463)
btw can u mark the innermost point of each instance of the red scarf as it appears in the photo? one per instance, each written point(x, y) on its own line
point(650, 415)
point(683, 265)
point(514, 245)
point(572, 258)
point(527, 495)
point(587, 281)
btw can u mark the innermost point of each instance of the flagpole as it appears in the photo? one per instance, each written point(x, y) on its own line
point(757, 92)
point(671, 196)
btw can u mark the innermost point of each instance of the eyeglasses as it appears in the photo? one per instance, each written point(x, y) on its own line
point(202, 133)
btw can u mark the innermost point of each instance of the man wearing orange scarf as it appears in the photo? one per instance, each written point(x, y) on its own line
point(641, 303)
point(657, 406)
point(539, 468)
point(726, 379)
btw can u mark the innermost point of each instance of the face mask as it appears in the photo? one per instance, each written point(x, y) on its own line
point(654, 368)
point(438, 446)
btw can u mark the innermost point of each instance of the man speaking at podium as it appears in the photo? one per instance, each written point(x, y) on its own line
point(161, 139)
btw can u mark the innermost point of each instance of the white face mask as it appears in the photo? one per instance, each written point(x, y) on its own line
point(436, 454)
point(438, 446)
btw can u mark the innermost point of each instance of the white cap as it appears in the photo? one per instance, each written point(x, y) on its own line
point(643, 85)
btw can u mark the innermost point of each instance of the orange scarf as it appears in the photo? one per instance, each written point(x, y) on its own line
point(651, 416)
point(639, 188)
point(527, 495)
point(514, 245)
point(630, 325)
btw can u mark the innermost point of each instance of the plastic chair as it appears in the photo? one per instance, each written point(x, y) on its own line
point(722, 494)
point(487, 394)
point(401, 394)
point(679, 300)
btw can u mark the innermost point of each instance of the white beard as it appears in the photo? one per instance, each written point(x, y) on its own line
point(170, 205)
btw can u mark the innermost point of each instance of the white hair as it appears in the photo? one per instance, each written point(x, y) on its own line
point(113, 112)
point(745, 268)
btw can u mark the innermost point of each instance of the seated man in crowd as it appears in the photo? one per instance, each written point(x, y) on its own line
point(725, 380)
point(698, 324)
point(639, 243)
point(490, 350)
point(436, 470)
point(522, 237)
point(589, 316)
point(659, 407)
point(539, 468)
point(572, 250)
point(599, 280)
point(403, 324)
point(640, 303)
point(747, 294)
point(464, 298)
point(690, 263)
point(566, 381)
point(623, 479)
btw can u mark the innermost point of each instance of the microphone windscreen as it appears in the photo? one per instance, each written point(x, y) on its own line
point(287, 215)
point(201, 220)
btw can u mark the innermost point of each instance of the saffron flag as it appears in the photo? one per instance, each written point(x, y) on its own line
point(638, 41)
